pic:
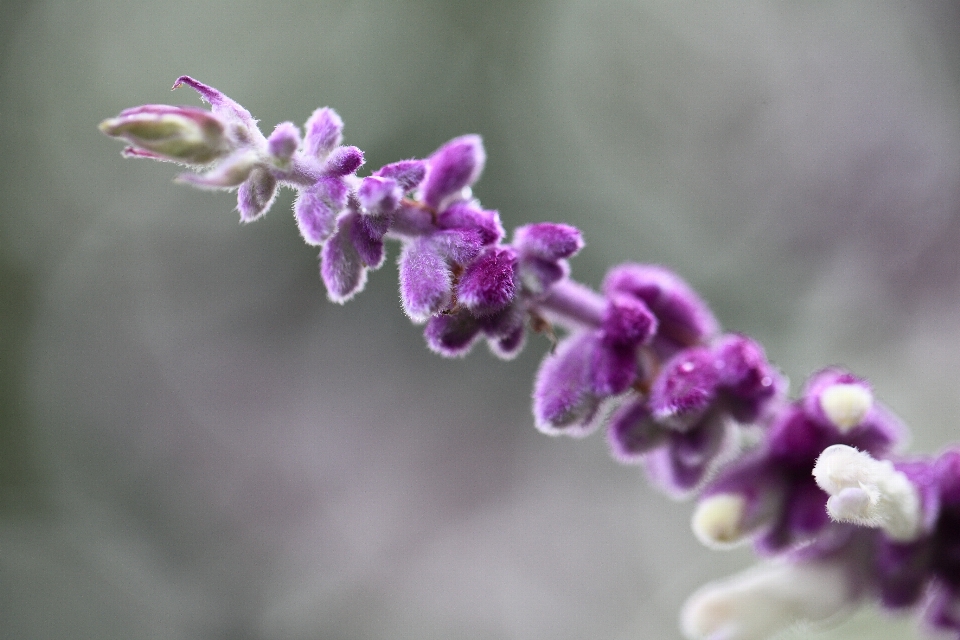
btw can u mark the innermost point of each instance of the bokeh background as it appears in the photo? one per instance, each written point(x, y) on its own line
point(194, 443)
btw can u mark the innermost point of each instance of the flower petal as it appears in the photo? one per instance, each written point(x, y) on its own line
point(324, 132)
point(488, 283)
point(562, 399)
point(425, 280)
point(316, 209)
point(341, 266)
point(255, 196)
point(455, 165)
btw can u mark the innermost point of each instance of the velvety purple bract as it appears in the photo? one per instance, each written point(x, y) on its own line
point(316, 209)
point(684, 317)
point(220, 104)
point(505, 330)
point(543, 249)
point(562, 400)
point(256, 194)
point(379, 196)
point(627, 322)
point(633, 432)
point(685, 388)
point(613, 368)
point(407, 173)
point(343, 161)
point(366, 234)
point(800, 518)
point(548, 240)
point(455, 165)
point(946, 470)
point(489, 282)
point(355, 247)
point(425, 280)
point(341, 266)
point(748, 383)
point(465, 215)
point(284, 140)
point(537, 275)
point(452, 334)
point(411, 220)
point(507, 345)
point(324, 132)
point(681, 466)
point(459, 246)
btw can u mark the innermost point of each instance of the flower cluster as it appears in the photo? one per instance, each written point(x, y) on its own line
point(653, 354)
point(816, 485)
point(906, 512)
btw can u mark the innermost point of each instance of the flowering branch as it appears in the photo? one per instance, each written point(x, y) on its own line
point(815, 484)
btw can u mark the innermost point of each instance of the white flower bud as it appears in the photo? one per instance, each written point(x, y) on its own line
point(846, 405)
point(718, 521)
point(757, 603)
point(869, 492)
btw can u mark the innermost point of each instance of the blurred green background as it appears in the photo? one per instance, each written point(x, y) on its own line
point(194, 443)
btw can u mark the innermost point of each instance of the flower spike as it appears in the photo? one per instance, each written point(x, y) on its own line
point(815, 484)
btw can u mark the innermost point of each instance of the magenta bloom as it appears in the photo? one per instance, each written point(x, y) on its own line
point(680, 428)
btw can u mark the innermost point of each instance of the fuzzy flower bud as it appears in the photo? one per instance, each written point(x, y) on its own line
point(869, 492)
point(839, 398)
point(453, 167)
point(283, 142)
point(177, 134)
point(846, 405)
point(718, 521)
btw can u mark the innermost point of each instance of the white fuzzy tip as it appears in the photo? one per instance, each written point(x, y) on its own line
point(758, 603)
point(718, 520)
point(869, 492)
point(846, 405)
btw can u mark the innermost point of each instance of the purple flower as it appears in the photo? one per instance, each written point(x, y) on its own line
point(408, 174)
point(604, 363)
point(454, 333)
point(427, 266)
point(777, 501)
point(748, 385)
point(908, 553)
point(240, 157)
point(681, 426)
point(684, 319)
point(678, 399)
point(685, 388)
point(256, 194)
